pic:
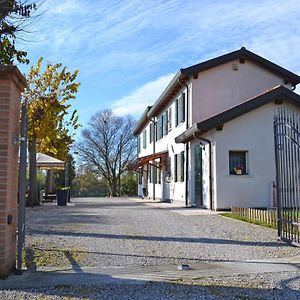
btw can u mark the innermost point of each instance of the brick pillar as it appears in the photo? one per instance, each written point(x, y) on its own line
point(11, 85)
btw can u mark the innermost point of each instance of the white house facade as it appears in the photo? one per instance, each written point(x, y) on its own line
point(208, 140)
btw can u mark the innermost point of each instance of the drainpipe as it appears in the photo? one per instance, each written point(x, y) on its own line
point(153, 140)
point(210, 167)
point(187, 144)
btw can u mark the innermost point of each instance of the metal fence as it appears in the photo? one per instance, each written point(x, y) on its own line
point(287, 157)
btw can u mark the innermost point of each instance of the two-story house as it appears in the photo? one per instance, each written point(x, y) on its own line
point(208, 139)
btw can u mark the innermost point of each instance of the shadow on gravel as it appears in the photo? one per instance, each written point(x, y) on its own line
point(158, 238)
point(76, 266)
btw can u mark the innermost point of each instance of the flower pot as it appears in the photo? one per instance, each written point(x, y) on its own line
point(62, 197)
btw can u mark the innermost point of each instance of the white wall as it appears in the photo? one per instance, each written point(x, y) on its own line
point(252, 132)
point(173, 190)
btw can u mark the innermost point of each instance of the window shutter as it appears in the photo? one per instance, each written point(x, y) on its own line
point(166, 125)
point(161, 126)
point(151, 133)
point(183, 107)
point(154, 172)
point(175, 167)
point(182, 166)
point(139, 144)
point(176, 112)
point(145, 139)
point(170, 118)
point(150, 173)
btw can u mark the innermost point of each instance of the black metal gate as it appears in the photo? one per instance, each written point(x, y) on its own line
point(287, 156)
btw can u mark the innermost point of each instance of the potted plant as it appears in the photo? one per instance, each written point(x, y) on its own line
point(62, 195)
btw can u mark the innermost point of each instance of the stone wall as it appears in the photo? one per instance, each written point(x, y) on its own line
point(11, 85)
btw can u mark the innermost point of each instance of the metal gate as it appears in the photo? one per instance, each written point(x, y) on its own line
point(287, 156)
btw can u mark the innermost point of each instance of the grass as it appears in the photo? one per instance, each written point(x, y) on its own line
point(236, 217)
point(35, 257)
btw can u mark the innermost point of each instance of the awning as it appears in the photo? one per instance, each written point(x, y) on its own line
point(134, 166)
point(47, 162)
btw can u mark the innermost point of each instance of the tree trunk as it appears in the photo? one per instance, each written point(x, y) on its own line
point(33, 199)
point(114, 187)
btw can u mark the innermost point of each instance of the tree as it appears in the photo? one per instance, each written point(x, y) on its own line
point(88, 184)
point(50, 122)
point(67, 176)
point(13, 15)
point(129, 184)
point(108, 146)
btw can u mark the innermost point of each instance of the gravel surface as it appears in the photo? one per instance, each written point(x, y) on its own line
point(105, 232)
point(119, 232)
point(270, 287)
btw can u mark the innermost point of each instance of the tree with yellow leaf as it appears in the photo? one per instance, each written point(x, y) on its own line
point(50, 120)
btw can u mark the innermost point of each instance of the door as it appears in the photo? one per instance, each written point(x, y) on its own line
point(198, 176)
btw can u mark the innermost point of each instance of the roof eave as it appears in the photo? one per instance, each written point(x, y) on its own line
point(141, 122)
point(280, 93)
point(156, 107)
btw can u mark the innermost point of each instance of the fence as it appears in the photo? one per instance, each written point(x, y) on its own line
point(287, 154)
point(266, 216)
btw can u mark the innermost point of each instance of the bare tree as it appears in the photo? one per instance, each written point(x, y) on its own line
point(108, 146)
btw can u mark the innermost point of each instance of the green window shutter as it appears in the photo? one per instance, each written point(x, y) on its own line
point(156, 131)
point(150, 133)
point(154, 172)
point(166, 123)
point(175, 167)
point(176, 113)
point(170, 118)
point(182, 166)
point(145, 139)
point(139, 144)
point(182, 107)
point(161, 133)
point(150, 174)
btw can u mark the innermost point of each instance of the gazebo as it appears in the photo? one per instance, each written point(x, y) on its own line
point(50, 164)
point(47, 162)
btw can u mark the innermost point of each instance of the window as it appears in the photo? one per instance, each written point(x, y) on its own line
point(238, 162)
point(145, 139)
point(179, 167)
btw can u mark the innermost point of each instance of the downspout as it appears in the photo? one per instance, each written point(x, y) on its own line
point(210, 168)
point(153, 140)
point(186, 144)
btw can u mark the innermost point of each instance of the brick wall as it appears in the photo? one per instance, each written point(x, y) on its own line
point(11, 84)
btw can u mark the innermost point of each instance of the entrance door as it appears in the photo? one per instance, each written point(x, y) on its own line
point(198, 176)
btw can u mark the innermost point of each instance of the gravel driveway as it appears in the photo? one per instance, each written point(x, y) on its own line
point(119, 232)
point(112, 232)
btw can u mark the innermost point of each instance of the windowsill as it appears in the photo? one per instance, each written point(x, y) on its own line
point(239, 176)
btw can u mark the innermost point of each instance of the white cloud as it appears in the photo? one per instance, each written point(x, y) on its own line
point(144, 96)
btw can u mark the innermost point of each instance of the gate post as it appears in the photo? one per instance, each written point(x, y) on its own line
point(11, 84)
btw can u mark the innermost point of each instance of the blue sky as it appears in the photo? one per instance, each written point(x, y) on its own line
point(128, 51)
